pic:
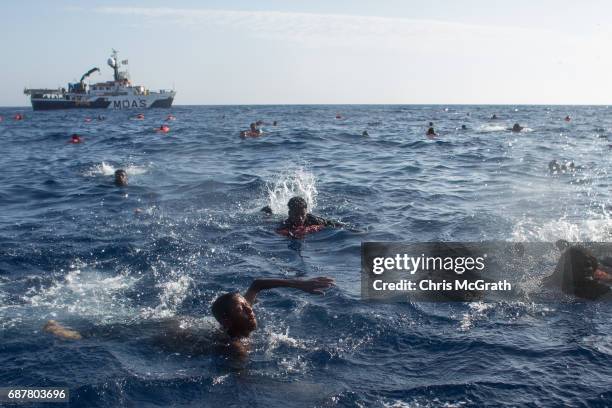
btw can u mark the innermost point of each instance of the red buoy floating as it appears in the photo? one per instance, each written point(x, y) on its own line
point(74, 139)
point(18, 116)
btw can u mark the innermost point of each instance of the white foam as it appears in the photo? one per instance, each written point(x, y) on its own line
point(84, 292)
point(491, 128)
point(172, 294)
point(593, 229)
point(106, 169)
point(291, 183)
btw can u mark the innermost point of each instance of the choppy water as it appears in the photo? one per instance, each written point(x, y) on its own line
point(75, 248)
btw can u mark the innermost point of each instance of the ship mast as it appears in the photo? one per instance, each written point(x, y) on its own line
point(113, 62)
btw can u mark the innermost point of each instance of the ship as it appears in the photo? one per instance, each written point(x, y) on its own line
point(116, 94)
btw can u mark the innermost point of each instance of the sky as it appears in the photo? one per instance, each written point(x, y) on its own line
point(318, 52)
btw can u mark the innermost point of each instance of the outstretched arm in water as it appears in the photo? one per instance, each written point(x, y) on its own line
point(315, 285)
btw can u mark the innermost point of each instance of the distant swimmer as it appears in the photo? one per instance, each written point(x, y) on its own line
point(300, 222)
point(274, 123)
point(101, 117)
point(494, 117)
point(18, 116)
point(517, 128)
point(259, 123)
point(463, 127)
point(580, 274)
point(163, 129)
point(554, 167)
point(140, 116)
point(338, 116)
point(170, 117)
point(267, 210)
point(567, 118)
point(431, 133)
point(87, 120)
point(365, 133)
point(430, 124)
point(252, 132)
point(121, 178)
point(74, 139)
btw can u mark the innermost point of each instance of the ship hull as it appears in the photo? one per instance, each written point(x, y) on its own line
point(116, 103)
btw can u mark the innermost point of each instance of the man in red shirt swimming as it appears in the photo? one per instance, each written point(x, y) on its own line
point(300, 222)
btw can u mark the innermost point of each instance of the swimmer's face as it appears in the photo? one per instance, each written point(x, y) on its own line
point(240, 318)
point(121, 178)
point(297, 216)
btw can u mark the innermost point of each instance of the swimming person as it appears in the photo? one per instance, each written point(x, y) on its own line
point(163, 129)
point(567, 118)
point(579, 273)
point(300, 222)
point(365, 133)
point(431, 133)
point(516, 128)
point(233, 311)
point(74, 139)
point(252, 132)
point(494, 117)
point(121, 178)
point(555, 167)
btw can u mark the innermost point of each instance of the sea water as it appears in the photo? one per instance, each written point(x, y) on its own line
point(113, 262)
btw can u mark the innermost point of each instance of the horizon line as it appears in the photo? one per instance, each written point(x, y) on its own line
point(331, 104)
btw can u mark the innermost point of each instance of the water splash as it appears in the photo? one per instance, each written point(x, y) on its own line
point(106, 169)
point(291, 183)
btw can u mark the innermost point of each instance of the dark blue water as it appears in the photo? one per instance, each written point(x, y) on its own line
point(114, 263)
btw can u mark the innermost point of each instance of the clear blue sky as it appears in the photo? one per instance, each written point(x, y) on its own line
point(243, 52)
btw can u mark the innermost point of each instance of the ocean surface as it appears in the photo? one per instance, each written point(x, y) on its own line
point(116, 263)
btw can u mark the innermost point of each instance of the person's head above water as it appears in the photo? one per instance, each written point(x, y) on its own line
point(253, 127)
point(234, 314)
point(298, 210)
point(517, 128)
point(121, 178)
point(577, 273)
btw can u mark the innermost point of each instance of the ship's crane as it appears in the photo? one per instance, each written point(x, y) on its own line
point(88, 73)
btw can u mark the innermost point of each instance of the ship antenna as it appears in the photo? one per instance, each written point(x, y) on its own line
point(114, 64)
